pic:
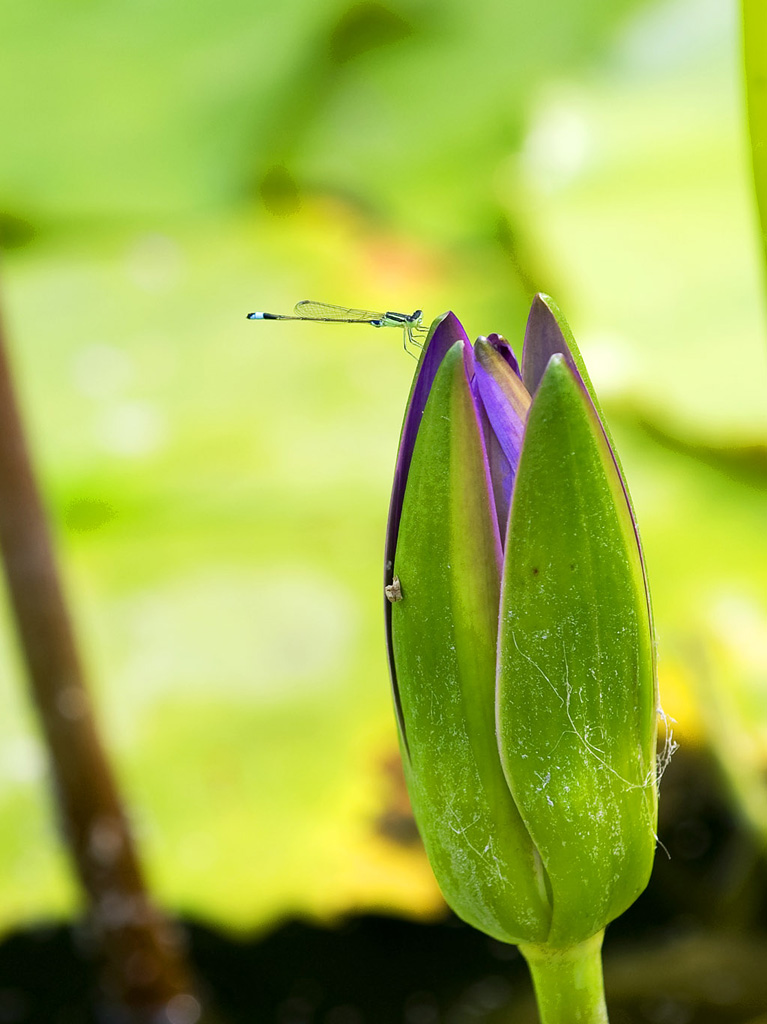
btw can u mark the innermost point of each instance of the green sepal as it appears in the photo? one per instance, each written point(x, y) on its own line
point(546, 334)
point(444, 639)
point(755, 67)
point(576, 688)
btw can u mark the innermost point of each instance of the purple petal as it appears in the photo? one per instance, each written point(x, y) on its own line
point(505, 402)
point(501, 473)
point(507, 420)
point(501, 345)
point(547, 334)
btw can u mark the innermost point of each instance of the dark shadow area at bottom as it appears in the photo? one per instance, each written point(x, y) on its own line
point(692, 949)
point(378, 970)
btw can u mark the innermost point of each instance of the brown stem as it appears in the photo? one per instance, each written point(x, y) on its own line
point(143, 963)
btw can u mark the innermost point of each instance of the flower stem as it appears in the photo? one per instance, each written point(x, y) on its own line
point(568, 982)
point(755, 63)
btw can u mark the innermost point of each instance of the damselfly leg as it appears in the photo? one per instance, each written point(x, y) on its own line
point(409, 338)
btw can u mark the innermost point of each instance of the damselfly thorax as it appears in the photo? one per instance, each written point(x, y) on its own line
point(323, 312)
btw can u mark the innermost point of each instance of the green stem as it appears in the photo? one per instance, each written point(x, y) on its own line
point(755, 63)
point(568, 982)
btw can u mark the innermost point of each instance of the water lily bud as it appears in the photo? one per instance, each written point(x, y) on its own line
point(520, 639)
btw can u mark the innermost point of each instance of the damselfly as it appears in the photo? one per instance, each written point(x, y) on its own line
point(323, 312)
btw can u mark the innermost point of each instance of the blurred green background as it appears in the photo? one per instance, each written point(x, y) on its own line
point(219, 488)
